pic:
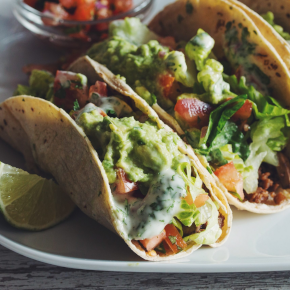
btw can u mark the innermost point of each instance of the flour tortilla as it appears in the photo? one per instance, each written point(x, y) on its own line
point(60, 147)
point(280, 9)
point(212, 16)
point(279, 43)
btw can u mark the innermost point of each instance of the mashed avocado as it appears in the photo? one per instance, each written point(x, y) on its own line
point(140, 65)
point(140, 149)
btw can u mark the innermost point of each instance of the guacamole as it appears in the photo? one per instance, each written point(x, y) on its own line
point(139, 148)
point(140, 65)
point(150, 158)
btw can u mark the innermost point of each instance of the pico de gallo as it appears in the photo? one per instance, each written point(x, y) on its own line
point(161, 202)
point(228, 117)
point(81, 10)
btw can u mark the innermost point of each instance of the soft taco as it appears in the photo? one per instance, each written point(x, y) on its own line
point(117, 160)
point(275, 12)
point(211, 75)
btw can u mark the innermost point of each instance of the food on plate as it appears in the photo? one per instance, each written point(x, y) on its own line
point(118, 161)
point(80, 10)
point(31, 202)
point(276, 13)
point(221, 85)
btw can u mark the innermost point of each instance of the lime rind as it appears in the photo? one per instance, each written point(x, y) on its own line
point(31, 202)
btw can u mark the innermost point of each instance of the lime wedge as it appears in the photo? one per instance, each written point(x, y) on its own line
point(31, 202)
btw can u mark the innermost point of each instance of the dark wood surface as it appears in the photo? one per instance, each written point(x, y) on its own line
point(21, 273)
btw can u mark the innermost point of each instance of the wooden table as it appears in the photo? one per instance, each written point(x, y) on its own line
point(18, 272)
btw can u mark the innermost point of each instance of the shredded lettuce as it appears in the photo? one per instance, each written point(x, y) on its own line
point(263, 106)
point(132, 30)
point(178, 225)
point(212, 231)
point(221, 131)
point(188, 213)
point(268, 138)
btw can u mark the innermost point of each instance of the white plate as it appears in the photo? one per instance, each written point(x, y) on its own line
point(257, 243)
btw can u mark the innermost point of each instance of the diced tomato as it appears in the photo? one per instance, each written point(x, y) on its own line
point(231, 178)
point(174, 239)
point(200, 200)
point(68, 3)
point(188, 198)
point(244, 112)
point(68, 88)
point(85, 11)
point(150, 244)
point(99, 88)
point(123, 185)
point(168, 41)
point(193, 111)
point(166, 82)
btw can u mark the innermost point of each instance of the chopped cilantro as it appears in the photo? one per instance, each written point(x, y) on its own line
point(209, 169)
point(76, 105)
point(172, 239)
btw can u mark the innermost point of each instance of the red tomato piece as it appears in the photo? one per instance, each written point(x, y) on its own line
point(200, 200)
point(188, 199)
point(150, 244)
point(85, 11)
point(193, 111)
point(123, 185)
point(166, 82)
point(244, 112)
point(231, 178)
point(99, 88)
point(174, 239)
point(68, 88)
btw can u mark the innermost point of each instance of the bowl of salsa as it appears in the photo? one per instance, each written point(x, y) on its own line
point(76, 22)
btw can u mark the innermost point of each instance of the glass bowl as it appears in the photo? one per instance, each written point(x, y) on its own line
point(56, 30)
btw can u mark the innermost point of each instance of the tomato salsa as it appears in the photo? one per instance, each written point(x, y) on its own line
point(81, 10)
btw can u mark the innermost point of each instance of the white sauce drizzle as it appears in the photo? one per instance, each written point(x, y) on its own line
point(146, 218)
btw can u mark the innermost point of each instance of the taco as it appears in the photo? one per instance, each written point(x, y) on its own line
point(212, 76)
point(117, 160)
point(276, 13)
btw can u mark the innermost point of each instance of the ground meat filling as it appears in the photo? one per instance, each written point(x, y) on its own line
point(269, 186)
